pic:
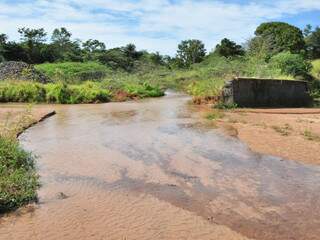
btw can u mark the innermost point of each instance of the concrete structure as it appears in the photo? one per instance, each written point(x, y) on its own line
point(253, 92)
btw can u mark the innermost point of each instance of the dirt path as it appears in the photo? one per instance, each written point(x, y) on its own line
point(156, 170)
point(288, 133)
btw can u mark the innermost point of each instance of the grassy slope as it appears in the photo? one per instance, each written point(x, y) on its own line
point(71, 72)
point(18, 178)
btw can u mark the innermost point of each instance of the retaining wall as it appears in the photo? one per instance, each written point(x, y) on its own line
point(251, 92)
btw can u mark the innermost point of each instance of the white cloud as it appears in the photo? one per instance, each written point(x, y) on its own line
point(156, 25)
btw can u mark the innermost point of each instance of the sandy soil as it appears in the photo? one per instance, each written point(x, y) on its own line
point(14, 118)
point(287, 133)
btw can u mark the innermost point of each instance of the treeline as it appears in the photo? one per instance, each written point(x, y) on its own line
point(271, 39)
point(34, 48)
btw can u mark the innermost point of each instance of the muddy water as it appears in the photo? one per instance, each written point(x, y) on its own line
point(154, 170)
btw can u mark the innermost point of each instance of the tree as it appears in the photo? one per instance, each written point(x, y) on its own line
point(281, 37)
point(190, 52)
point(313, 43)
point(131, 52)
point(307, 30)
point(116, 58)
point(3, 41)
point(228, 48)
point(32, 40)
point(157, 58)
point(15, 52)
point(92, 49)
point(61, 37)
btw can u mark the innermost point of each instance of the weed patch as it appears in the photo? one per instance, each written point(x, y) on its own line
point(283, 130)
point(311, 136)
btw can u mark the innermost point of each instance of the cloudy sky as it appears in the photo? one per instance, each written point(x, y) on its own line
point(155, 25)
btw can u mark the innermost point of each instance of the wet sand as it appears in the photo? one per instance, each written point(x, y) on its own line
point(156, 170)
point(278, 132)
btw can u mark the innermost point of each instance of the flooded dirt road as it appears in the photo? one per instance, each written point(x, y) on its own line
point(155, 170)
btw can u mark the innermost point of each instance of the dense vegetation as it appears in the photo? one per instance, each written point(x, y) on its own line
point(18, 179)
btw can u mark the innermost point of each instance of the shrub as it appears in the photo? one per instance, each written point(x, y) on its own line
point(21, 92)
point(18, 180)
point(291, 64)
point(57, 93)
point(143, 90)
point(88, 93)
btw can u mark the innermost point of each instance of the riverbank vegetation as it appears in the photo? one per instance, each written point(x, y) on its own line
point(18, 177)
point(278, 50)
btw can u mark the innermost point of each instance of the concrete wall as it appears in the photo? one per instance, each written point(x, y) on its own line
point(249, 92)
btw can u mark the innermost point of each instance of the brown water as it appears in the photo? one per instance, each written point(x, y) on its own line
point(154, 170)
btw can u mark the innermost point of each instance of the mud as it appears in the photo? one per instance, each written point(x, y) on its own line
point(155, 170)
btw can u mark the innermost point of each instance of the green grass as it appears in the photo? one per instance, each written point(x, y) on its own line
point(73, 72)
point(17, 91)
point(215, 115)
point(86, 92)
point(18, 178)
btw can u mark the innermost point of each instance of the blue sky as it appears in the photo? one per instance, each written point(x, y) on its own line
point(155, 25)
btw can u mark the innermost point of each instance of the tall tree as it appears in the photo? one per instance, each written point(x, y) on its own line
point(281, 37)
point(228, 48)
point(32, 40)
point(131, 51)
point(313, 43)
point(3, 40)
point(190, 52)
point(93, 49)
point(61, 37)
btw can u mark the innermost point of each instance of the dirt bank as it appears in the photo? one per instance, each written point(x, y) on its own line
point(287, 133)
point(15, 118)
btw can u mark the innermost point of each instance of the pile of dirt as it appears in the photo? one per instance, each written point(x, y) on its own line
point(21, 71)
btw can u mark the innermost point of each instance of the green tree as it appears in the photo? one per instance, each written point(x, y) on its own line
point(61, 37)
point(3, 41)
point(228, 48)
point(307, 30)
point(93, 49)
point(157, 58)
point(131, 52)
point(15, 52)
point(313, 43)
point(281, 37)
point(32, 40)
point(115, 58)
point(190, 52)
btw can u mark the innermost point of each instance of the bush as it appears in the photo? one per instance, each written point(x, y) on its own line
point(291, 64)
point(143, 90)
point(18, 179)
point(88, 93)
point(21, 92)
point(57, 93)
point(316, 69)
